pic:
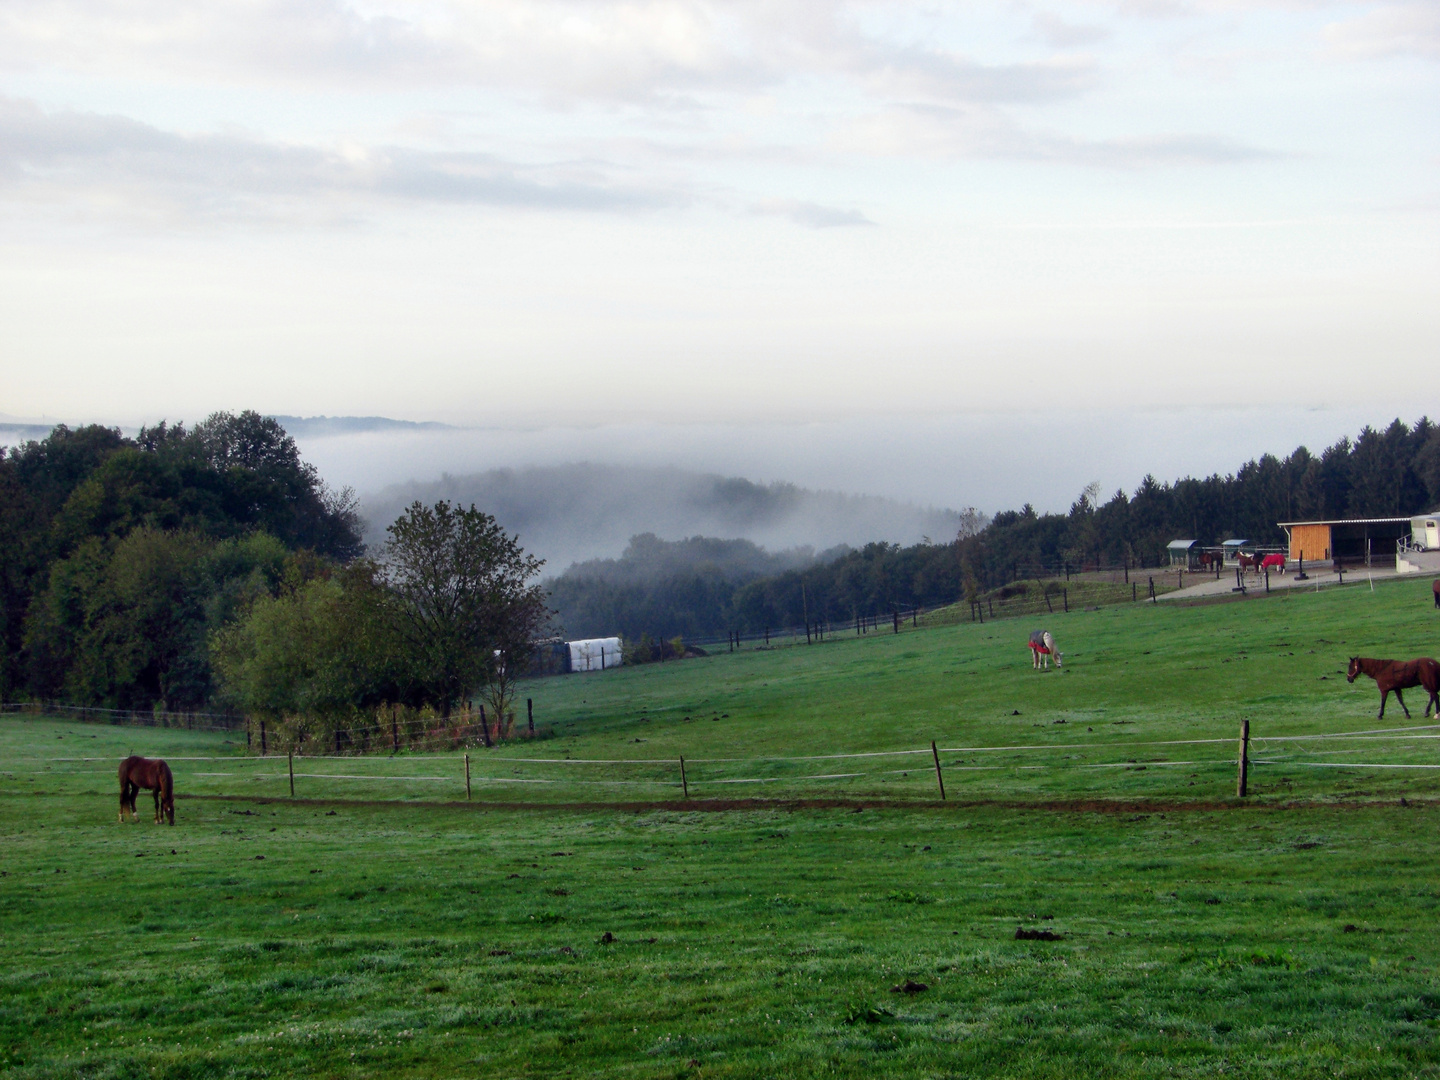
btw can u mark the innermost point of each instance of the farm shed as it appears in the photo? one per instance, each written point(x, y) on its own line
point(1345, 539)
point(1184, 553)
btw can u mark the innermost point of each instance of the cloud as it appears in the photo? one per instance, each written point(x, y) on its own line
point(951, 78)
point(55, 155)
point(558, 51)
point(811, 214)
point(1404, 29)
point(990, 133)
point(1055, 31)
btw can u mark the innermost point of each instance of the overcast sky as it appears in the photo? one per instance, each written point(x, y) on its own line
point(533, 212)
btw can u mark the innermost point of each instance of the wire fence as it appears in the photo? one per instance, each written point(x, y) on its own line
point(159, 718)
point(910, 773)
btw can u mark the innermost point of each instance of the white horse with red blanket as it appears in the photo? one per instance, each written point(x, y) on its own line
point(1042, 648)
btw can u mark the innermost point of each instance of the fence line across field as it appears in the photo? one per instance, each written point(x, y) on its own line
point(1395, 734)
point(1307, 745)
point(1341, 764)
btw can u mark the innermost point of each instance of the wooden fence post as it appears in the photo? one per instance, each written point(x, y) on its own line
point(684, 783)
point(467, 777)
point(1065, 595)
point(939, 779)
point(395, 727)
point(530, 714)
point(292, 773)
point(1242, 779)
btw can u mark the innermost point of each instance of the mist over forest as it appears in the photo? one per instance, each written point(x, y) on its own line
point(576, 513)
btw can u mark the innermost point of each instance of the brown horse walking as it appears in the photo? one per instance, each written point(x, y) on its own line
point(1399, 675)
point(138, 772)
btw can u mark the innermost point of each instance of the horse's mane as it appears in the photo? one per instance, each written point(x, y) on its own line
point(1367, 664)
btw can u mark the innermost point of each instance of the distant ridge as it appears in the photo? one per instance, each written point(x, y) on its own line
point(572, 513)
point(301, 427)
point(311, 426)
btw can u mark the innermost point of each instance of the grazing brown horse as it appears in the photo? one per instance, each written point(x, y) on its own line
point(1399, 675)
point(138, 772)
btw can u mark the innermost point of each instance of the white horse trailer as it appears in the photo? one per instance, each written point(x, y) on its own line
point(1425, 532)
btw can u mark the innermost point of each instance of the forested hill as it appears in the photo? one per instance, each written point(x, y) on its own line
point(119, 556)
point(659, 587)
point(1383, 472)
point(572, 513)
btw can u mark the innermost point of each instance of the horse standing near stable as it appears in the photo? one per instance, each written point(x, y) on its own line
point(1399, 675)
point(1273, 561)
point(1042, 648)
point(138, 772)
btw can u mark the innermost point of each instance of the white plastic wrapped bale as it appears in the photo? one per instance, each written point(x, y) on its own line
point(595, 654)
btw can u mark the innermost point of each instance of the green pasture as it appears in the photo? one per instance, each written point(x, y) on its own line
point(384, 927)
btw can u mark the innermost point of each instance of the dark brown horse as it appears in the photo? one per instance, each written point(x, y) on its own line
point(138, 772)
point(1399, 675)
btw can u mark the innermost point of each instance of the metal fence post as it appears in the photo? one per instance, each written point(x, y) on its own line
point(1242, 779)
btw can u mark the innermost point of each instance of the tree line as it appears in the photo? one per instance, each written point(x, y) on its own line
point(210, 567)
point(1388, 471)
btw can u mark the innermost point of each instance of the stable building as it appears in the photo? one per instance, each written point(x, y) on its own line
point(1346, 539)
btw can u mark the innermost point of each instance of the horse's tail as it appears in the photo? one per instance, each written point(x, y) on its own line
point(126, 784)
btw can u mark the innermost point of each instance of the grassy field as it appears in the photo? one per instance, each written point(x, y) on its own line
point(384, 927)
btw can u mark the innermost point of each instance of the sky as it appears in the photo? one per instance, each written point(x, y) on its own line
point(704, 221)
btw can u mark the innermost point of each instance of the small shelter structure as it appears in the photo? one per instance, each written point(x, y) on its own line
point(1347, 539)
point(1184, 553)
point(1232, 549)
point(595, 654)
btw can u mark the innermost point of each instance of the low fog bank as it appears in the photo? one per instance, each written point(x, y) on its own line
point(574, 513)
point(994, 460)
